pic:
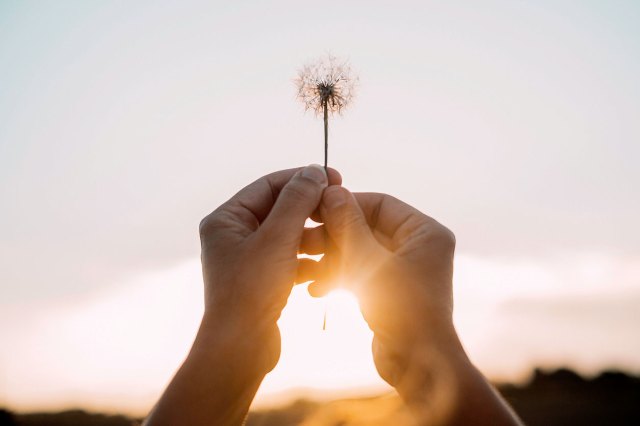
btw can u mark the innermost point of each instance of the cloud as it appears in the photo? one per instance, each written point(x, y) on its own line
point(576, 309)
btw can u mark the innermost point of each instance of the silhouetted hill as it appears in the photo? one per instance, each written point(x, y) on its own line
point(562, 397)
point(64, 418)
point(559, 397)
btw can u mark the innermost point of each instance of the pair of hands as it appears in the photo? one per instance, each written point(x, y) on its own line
point(399, 263)
point(397, 260)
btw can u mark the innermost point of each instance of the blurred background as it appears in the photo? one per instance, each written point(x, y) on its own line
point(123, 124)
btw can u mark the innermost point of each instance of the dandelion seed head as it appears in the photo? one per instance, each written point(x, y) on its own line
point(327, 81)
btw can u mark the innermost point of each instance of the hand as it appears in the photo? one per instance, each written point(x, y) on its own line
point(249, 255)
point(399, 263)
point(249, 263)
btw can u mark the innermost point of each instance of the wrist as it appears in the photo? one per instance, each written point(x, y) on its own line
point(248, 349)
point(442, 386)
point(217, 381)
point(434, 376)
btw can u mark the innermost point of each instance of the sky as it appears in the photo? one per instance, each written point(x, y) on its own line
point(122, 125)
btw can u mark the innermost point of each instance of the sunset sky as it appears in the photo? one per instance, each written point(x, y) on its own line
point(122, 124)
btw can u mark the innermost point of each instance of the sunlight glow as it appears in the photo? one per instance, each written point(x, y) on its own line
point(133, 336)
point(338, 358)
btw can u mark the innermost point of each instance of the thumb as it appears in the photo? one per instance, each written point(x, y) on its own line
point(346, 224)
point(297, 200)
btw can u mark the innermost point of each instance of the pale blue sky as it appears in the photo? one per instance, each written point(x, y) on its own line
point(514, 123)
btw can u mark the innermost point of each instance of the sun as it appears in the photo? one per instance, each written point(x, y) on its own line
point(341, 305)
point(337, 358)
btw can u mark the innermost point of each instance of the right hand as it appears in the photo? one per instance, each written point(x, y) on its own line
point(399, 263)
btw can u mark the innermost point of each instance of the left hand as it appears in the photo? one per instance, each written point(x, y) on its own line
point(249, 258)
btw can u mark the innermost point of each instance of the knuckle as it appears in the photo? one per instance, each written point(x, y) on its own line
point(452, 238)
point(210, 223)
point(203, 227)
point(438, 236)
point(446, 237)
point(299, 189)
point(348, 219)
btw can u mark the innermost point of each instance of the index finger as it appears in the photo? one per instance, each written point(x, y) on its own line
point(390, 216)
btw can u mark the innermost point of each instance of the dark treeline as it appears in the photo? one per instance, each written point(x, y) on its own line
point(560, 397)
point(563, 397)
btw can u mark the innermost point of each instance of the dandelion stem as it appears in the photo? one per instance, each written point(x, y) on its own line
point(326, 157)
point(326, 133)
point(324, 321)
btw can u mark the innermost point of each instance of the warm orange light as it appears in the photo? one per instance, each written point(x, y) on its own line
point(338, 358)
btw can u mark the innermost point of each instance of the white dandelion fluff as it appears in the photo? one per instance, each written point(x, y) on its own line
point(326, 86)
point(327, 82)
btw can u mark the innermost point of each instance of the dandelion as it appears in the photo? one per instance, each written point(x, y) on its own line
point(326, 86)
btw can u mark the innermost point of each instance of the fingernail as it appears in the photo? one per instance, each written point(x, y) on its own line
point(316, 173)
point(334, 196)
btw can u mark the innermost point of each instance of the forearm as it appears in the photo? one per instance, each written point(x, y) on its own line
point(442, 387)
point(215, 385)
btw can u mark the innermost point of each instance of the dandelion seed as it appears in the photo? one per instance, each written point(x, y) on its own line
point(326, 86)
